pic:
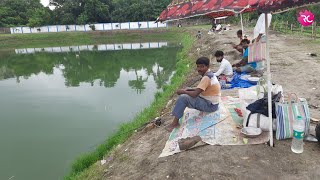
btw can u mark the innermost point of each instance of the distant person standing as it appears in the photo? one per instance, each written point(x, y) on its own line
point(260, 30)
point(259, 34)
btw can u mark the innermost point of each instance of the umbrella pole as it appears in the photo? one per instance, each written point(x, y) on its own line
point(269, 80)
point(241, 25)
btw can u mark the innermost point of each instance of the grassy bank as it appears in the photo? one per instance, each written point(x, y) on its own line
point(10, 41)
point(80, 166)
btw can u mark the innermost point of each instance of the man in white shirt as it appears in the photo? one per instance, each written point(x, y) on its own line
point(225, 67)
point(218, 28)
point(259, 29)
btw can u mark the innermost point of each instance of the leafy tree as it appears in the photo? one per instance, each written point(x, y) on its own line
point(39, 17)
point(137, 10)
point(18, 12)
point(81, 11)
point(82, 19)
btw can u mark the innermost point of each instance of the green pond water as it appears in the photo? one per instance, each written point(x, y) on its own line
point(56, 106)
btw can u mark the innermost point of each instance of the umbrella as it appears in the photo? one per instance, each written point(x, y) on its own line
point(180, 9)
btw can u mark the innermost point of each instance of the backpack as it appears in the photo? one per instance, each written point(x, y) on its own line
point(261, 106)
point(318, 132)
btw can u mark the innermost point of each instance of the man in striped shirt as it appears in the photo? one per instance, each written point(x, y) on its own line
point(205, 97)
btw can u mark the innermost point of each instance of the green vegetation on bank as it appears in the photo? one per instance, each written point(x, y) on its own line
point(184, 65)
point(9, 41)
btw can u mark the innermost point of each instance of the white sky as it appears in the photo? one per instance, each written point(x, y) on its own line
point(45, 2)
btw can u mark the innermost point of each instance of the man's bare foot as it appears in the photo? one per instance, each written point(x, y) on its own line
point(170, 127)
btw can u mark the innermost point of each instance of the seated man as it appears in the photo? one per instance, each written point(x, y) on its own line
point(218, 28)
point(225, 71)
point(243, 65)
point(199, 35)
point(205, 97)
point(238, 47)
point(214, 26)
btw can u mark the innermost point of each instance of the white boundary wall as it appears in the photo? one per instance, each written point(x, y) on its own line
point(101, 47)
point(84, 28)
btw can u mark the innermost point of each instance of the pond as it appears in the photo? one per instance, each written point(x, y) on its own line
point(57, 105)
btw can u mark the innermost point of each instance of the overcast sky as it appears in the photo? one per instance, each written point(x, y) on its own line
point(45, 2)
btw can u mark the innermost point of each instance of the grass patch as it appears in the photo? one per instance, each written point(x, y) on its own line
point(184, 64)
point(39, 40)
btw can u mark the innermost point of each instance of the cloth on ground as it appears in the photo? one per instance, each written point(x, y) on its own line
point(239, 81)
point(217, 128)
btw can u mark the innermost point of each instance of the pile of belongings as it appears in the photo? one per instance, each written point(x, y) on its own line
point(285, 107)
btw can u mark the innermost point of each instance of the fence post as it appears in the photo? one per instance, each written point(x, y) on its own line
point(274, 25)
point(315, 29)
point(312, 33)
point(287, 26)
point(291, 27)
point(301, 29)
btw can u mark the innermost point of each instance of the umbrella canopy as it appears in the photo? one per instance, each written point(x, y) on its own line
point(223, 13)
point(277, 6)
point(180, 9)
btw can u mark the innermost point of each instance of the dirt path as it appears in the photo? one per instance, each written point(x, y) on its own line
point(291, 67)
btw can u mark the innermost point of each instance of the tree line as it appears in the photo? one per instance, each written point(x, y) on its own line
point(33, 13)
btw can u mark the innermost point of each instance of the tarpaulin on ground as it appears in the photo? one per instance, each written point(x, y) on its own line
point(239, 81)
point(217, 128)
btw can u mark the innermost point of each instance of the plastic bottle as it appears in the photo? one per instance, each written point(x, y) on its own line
point(298, 135)
point(223, 84)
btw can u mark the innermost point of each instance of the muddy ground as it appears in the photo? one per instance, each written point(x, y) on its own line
point(291, 67)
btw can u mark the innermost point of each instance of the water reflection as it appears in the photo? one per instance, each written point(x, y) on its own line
point(101, 47)
point(56, 106)
point(89, 66)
